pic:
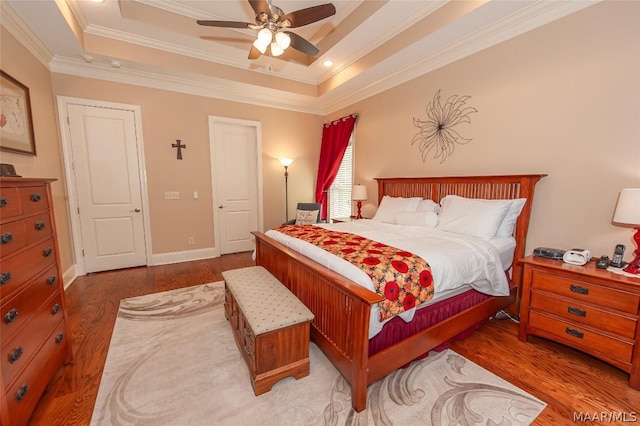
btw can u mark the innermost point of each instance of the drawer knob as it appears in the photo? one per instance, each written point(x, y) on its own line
point(35, 197)
point(47, 252)
point(6, 238)
point(579, 289)
point(11, 316)
point(5, 277)
point(3, 201)
point(40, 225)
point(22, 392)
point(59, 338)
point(577, 311)
point(575, 333)
point(55, 309)
point(51, 280)
point(15, 354)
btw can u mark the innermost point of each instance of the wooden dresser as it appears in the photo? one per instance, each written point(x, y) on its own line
point(589, 309)
point(33, 327)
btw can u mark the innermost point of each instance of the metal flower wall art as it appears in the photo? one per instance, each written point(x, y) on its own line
point(437, 132)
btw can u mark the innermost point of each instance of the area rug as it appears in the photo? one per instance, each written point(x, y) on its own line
point(173, 361)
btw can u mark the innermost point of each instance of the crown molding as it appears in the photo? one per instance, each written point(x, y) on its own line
point(208, 87)
point(14, 23)
point(538, 14)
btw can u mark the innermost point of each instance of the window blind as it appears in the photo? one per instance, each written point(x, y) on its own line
point(340, 190)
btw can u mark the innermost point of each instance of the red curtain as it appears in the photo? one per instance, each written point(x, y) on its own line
point(335, 139)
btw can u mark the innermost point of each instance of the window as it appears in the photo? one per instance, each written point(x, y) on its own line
point(340, 191)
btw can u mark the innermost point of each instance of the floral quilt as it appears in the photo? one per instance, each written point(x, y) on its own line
point(402, 278)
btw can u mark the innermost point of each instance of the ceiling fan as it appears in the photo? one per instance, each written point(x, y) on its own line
point(273, 39)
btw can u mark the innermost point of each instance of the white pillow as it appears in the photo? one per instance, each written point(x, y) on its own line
point(306, 217)
point(508, 224)
point(391, 206)
point(426, 219)
point(469, 216)
point(428, 206)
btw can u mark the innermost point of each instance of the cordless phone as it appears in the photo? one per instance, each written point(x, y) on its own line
point(616, 262)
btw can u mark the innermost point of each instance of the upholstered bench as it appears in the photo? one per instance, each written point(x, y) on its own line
point(270, 326)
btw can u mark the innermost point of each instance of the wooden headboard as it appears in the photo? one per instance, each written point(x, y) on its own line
point(488, 187)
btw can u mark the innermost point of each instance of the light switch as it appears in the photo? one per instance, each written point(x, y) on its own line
point(195, 195)
point(171, 195)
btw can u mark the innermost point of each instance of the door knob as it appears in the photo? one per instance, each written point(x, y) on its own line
point(135, 210)
point(221, 206)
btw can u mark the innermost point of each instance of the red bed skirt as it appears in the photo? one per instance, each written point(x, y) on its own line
point(396, 329)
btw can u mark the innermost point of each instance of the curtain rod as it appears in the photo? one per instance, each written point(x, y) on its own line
point(354, 115)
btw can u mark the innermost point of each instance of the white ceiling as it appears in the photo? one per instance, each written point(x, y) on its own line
point(375, 45)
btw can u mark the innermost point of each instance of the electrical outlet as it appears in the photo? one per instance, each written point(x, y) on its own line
point(192, 240)
point(171, 195)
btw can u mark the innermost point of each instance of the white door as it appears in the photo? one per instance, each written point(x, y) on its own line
point(235, 164)
point(105, 167)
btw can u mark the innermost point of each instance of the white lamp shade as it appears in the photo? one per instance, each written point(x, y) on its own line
point(359, 192)
point(283, 40)
point(286, 161)
point(265, 36)
point(276, 50)
point(628, 207)
point(262, 47)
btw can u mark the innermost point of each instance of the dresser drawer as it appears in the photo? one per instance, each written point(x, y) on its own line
point(608, 321)
point(581, 336)
point(33, 199)
point(13, 236)
point(22, 396)
point(18, 350)
point(586, 292)
point(17, 270)
point(9, 203)
point(38, 227)
point(18, 310)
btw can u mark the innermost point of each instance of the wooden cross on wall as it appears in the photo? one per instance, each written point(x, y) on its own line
point(179, 146)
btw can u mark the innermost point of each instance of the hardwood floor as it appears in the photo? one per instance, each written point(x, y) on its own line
point(567, 380)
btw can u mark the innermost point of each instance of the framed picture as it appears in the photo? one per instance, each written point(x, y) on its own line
point(16, 124)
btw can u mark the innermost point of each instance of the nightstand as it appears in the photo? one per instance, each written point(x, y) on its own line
point(592, 310)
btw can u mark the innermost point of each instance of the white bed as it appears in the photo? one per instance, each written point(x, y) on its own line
point(457, 261)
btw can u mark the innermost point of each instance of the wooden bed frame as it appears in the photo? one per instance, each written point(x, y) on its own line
point(342, 307)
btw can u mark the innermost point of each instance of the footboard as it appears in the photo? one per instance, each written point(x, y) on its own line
point(341, 309)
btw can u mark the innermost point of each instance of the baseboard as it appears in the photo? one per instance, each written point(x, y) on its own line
point(69, 276)
point(183, 256)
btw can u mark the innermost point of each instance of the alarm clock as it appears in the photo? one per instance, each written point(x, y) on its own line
point(577, 256)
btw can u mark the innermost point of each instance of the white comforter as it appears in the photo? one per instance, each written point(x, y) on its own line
point(455, 259)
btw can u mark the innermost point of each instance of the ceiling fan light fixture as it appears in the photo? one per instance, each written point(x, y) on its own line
point(283, 40)
point(276, 50)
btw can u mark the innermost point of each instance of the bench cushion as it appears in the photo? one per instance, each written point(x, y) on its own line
point(265, 302)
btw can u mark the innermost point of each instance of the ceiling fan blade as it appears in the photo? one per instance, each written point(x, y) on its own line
point(310, 15)
point(259, 6)
point(299, 43)
point(254, 53)
point(224, 24)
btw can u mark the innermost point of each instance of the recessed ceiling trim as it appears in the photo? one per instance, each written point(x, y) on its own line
point(183, 51)
point(212, 88)
point(514, 25)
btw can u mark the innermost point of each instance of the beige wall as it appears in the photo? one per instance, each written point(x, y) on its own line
point(21, 65)
point(167, 116)
point(563, 100)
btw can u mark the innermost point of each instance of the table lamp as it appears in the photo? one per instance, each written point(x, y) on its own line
point(359, 194)
point(628, 213)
